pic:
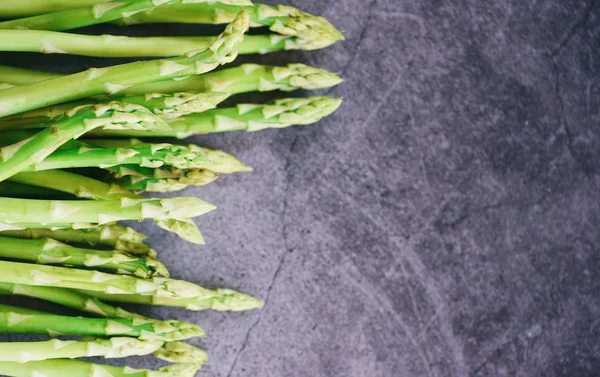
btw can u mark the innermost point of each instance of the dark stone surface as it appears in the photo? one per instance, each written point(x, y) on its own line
point(443, 223)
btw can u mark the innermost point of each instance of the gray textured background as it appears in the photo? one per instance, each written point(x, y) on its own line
point(443, 223)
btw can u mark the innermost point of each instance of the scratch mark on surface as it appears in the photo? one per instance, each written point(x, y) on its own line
point(361, 37)
point(567, 129)
point(410, 16)
point(281, 259)
point(428, 282)
point(382, 303)
point(578, 25)
point(505, 339)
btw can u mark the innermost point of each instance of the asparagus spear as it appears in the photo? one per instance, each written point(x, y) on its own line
point(76, 368)
point(15, 320)
point(241, 79)
point(75, 184)
point(157, 289)
point(108, 46)
point(35, 7)
point(167, 106)
point(17, 157)
point(250, 117)
point(116, 236)
point(50, 251)
point(222, 300)
point(21, 76)
point(216, 160)
point(112, 80)
point(172, 351)
point(91, 14)
point(117, 347)
point(27, 213)
point(175, 155)
point(302, 30)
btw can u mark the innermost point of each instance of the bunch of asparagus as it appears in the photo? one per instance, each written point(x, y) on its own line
point(77, 156)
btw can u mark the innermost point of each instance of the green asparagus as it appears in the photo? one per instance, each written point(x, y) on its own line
point(117, 347)
point(241, 79)
point(177, 352)
point(157, 290)
point(115, 236)
point(107, 46)
point(91, 14)
point(50, 251)
point(75, 184)
point(115, 79)
point(17, 157)
point(76, 368)
point(222, 300)
point(250, 117)
point(167, 106)
point(14, 320)
point(298, 29)
point(216, 160)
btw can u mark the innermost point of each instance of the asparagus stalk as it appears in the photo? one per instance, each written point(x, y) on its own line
point(90, 14)
point(75, 184)
point(175, 155)
point(216, 160)
point(115, 79)
point(250, 117)
point(109, 46)
point(242, 79)
point(167, 106)
point(17, 157)
point(13, 320)
point(177, 352)
point(21, 76)
point(115, 236)
point(48, 213)
point(76, 368)
point(35, 7)
point(117, 347)
point(302, 30)
point(222, 300)
point(157, 289)
point(50, 251)
point(85, 187)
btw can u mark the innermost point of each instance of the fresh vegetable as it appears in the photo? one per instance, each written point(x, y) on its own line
point(60, 240)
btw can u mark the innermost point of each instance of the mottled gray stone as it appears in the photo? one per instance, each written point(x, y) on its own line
point(443, 223)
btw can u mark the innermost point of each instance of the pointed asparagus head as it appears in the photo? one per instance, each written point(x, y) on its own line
point(220, 161)
point(227, 300)
point(306, 32)
point(291, 111)
point(186, 229)
point(173, 208)
point(293, 77)
point(180, 352)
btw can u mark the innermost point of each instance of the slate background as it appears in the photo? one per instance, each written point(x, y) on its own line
point(443, 223)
